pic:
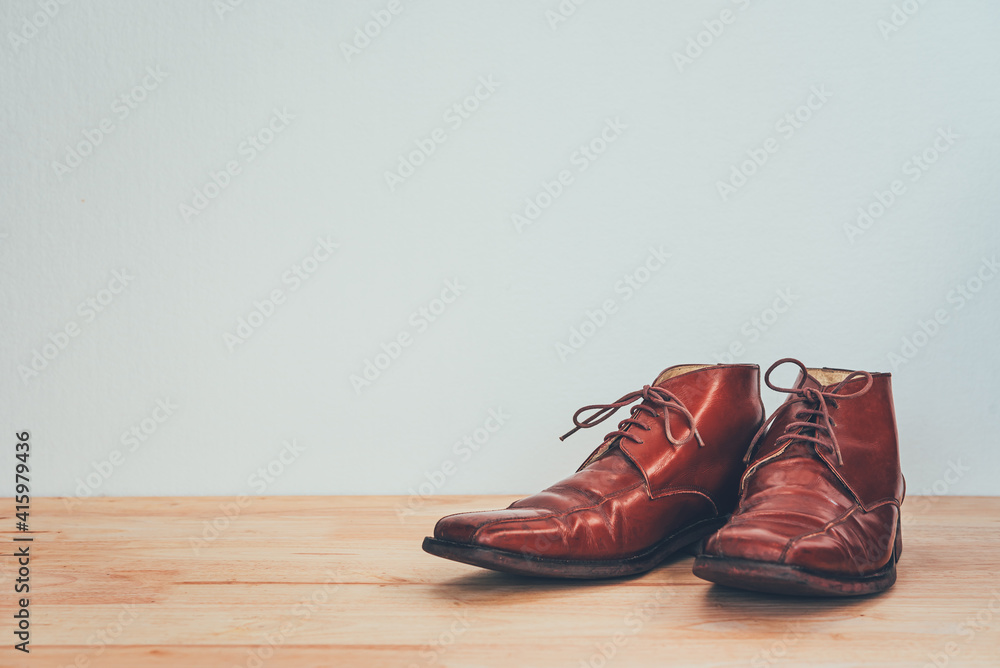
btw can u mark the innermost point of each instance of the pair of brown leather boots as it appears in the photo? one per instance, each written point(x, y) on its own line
point(805, 503)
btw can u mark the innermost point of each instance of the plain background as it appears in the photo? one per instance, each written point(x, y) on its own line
point(896, 76)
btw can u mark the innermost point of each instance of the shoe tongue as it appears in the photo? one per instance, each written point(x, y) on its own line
point(675, 371)
point(807, 380)
point(614, 449)
point(612, 460)
point(801, 448)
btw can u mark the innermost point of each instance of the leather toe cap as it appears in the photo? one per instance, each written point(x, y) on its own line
point(472, 527)
point(756, 541)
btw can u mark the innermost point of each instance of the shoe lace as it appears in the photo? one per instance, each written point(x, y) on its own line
point(813, 422)
point(653, 398)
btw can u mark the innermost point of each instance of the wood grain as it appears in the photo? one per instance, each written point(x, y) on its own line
point(341, 581)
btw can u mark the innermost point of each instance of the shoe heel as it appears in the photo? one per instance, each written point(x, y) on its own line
point(897, 548)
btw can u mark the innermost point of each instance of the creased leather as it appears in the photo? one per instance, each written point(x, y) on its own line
point(800, 506)
point(638, 488)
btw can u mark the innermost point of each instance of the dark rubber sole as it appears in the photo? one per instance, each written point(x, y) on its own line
point(529, 564)
point(774, 578)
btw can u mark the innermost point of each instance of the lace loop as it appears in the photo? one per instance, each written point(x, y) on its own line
point(652, 397)
point(814, 414)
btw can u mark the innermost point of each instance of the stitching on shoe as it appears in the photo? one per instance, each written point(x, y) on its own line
point(475, 512)
point(585, 493)
point(889, 500)
point(688, 490)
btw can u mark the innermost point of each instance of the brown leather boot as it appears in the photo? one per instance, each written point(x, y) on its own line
point(667, 477)
point(818, 513)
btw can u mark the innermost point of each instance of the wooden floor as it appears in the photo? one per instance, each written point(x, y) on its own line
point(342, 581)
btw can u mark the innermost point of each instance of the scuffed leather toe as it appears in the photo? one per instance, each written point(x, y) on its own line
point(843, 548)
point(465, 527)
point(755, 542)
point(541, 537)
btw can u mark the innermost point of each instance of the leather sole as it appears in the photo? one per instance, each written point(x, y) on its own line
point(534, 565)
point(774, 578)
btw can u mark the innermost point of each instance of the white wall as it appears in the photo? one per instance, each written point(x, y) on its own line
point(202, 80)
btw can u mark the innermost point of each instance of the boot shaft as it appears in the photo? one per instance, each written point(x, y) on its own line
point(864, 427)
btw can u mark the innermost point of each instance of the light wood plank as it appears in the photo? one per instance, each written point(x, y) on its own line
point(320, 581)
